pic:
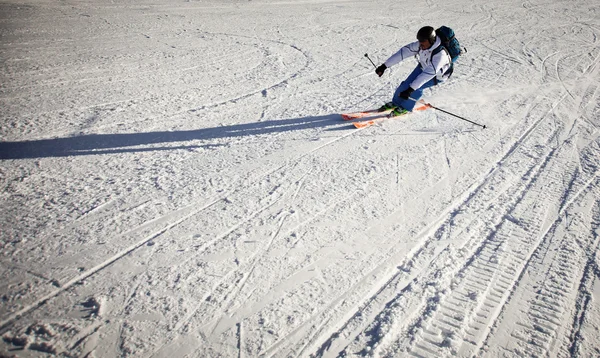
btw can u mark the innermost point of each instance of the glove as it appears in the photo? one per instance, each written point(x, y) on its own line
point(380, 70)
point(406, 93)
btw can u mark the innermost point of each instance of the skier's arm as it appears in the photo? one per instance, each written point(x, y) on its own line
point(440, 62)
point(409, 50)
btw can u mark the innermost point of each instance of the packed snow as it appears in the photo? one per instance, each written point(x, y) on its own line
point(177, 181)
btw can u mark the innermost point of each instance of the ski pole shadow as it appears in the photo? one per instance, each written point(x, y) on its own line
point(91, 144)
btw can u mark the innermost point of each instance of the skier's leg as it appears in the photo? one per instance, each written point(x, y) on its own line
point(409, 104)
point(418, 93)
point(406, 104)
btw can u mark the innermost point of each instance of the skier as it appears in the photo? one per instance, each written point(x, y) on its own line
point(435, 66)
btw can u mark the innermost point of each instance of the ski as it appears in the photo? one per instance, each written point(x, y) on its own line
point(362, 114)
point(372, 121)
point(377, 119)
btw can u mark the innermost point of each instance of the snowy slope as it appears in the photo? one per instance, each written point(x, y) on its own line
point(177, 181)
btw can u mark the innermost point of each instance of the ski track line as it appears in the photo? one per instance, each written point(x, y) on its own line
point(426, 342)
point(241, 222)
point(590, 274)
point(296, 74)
point(577, 195)
point(591, 86)
point(246, 273)
point(511, 271)
point(324, 316)
point(300, 183)
point(493, 299)
point(543, 73)
point(232, 229)
point(135, 246)
point(240, 340)
point(476, 254)
point(585, 86)
point(546, 310)
point(406, 258)
point(455, 206)
point(428, 231)
point(366, 311)
point(317, 215)
point(97, 268)
point(462, 200)
point(264, 175)
point(78, 82)
point(323, 324)
point(101, 212)
point(188, 318)
point(147, 239)
point(274, 346)
point(184, 321)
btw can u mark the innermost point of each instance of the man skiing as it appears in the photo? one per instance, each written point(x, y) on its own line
point(435, 66)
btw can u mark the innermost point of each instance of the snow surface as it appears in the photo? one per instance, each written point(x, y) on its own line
point(177, 181)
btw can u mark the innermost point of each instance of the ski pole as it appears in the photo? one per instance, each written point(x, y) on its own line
point(452, 114)
point(367, 56)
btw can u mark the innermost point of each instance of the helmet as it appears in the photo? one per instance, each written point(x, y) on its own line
point(426, 33)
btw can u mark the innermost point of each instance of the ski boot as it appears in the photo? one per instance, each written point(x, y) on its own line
point(387, 107)
point(398, 111)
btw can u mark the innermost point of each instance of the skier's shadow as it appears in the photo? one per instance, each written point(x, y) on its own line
point(139, 142)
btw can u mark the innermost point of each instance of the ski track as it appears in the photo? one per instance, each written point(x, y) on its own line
point(243, 271)
point(504, 263)
point(423, 262)
point(420, 249)
point(167, 218)
point(193, 211)
point(584, 296)
point(484, 315)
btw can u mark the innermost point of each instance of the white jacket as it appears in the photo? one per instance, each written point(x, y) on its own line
point(435, 66)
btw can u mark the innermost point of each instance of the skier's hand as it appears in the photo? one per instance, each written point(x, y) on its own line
point(406, 93)
point(380, 70)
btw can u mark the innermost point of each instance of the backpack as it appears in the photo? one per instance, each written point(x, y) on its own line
point(449, 42)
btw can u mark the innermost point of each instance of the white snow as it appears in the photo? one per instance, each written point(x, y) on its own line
point(177, 181)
